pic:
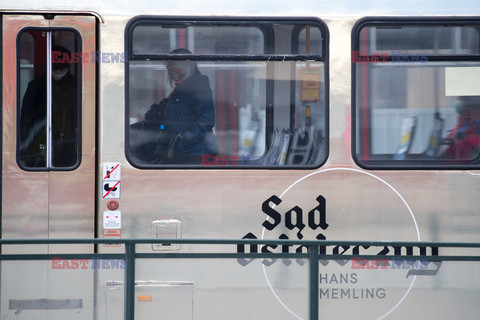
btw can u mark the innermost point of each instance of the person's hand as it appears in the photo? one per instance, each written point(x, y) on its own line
point(155, 113)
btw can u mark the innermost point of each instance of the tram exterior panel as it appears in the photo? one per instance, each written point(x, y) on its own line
point(359, 187)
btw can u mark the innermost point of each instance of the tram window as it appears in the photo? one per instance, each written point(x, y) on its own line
point(226, 93)
point(48, 110)
point(413, 101)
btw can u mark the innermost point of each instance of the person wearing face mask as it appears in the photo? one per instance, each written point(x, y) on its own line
point(33, 117)
point(188, 112)
point(464, 138)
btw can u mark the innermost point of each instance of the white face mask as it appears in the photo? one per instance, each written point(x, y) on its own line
point(57, 76)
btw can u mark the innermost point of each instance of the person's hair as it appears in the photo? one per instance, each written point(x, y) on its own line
point(62, 50)
point(471, 101)
point(187, 66)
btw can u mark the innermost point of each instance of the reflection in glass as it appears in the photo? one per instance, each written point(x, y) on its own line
point(269, 99)
point(41, 137)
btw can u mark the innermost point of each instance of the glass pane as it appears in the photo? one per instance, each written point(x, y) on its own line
point(431, 40)
point(33, 110)
point(413, 109)
point(315, 45)
point(242, 132)
point(226, 39)
point(218, 112)
point(34, 124)
point(151, 40)
point(409, 116)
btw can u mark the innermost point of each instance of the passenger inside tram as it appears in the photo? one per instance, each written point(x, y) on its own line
point(257, 108)
point(33, 117)
point(183, 121)
point(464, 139)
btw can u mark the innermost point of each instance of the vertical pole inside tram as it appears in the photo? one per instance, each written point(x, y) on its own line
point(49, 101)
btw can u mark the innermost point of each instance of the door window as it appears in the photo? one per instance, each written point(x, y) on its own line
point(49, 99)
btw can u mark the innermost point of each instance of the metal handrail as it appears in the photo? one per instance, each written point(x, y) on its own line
point(378, 243)
point(315, 252)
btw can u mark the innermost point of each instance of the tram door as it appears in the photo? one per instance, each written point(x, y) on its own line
point(48, 159)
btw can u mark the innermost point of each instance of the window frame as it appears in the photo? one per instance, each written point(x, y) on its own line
point(264, 24)
point(392, 164)
point(78, 75)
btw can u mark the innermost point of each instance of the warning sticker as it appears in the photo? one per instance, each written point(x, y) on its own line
point(111, 171)
point(112, 219)
point(111, 189)
point(112, 234)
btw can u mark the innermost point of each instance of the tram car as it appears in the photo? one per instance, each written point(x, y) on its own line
point(267, 120)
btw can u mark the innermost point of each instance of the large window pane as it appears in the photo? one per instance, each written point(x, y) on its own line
point(415, 105)
point(261, 86)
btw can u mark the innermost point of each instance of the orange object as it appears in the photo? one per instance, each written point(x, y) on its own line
point(310, 84)
point(145, 298)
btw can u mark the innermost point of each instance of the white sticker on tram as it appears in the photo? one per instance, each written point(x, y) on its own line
point(112, 219)
point(462, 81)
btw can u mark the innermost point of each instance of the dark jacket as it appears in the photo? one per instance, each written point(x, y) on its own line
point(189, 111)
point(33, 117)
